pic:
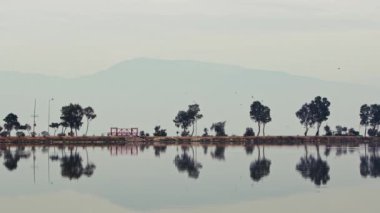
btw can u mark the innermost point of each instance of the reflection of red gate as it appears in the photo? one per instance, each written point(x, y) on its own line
point(123, 150)
point(127, 132)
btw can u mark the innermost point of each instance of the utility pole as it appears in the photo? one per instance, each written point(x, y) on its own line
point(34, 118)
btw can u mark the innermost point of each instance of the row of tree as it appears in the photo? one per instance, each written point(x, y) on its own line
point(310, 114)
point(71, 117)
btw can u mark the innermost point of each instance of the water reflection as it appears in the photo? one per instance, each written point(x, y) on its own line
point(218, 153)
point(187, 163)
point(260, 168)
point(315, 169)
point(11, 158)
point(72, 167)
point(158, 149)
point(370, 165)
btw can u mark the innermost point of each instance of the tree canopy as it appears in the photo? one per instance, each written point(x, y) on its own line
point(260, 114)
point(72, 115)
point(189, 118)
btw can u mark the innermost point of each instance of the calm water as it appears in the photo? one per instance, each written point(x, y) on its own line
point(189, 179)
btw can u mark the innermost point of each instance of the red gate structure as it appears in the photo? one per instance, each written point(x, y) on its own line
point(125, 132)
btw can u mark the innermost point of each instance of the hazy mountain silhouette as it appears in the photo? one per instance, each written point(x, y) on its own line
point(148, 92)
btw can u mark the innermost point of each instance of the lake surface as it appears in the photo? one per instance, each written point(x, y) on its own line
point(190, 179)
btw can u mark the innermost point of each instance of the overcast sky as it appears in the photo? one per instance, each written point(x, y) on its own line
point(303, 37)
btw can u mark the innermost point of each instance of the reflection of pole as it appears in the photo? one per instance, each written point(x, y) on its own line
point(34, 165)
point(49, 165)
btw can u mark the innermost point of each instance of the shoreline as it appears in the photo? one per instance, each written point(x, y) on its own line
point(229, 140)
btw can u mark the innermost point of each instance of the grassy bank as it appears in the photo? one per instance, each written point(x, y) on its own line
point(231, 140)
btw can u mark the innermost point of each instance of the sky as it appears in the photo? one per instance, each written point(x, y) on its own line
point(329, 39)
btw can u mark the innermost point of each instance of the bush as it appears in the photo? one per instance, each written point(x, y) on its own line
point(158, 132)
point(249, 132)
point(20, 134)
point(4, 134)
point(372, 132)
point(44, 134)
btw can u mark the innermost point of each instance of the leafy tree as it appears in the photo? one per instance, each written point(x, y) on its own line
point(158, 132)
point(1, 128)
point(55, 126)
point(219, 128)
point(306, 117)
point(365, 114)
point(249, 132)
point(374, 119)
point(260, 114)
point(72, 115)
point(320, 110)
point(90, 115)
point(315, 112)
point(189, 118)
point(11, 122)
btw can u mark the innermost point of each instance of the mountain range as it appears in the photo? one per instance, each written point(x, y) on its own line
point(147, 92)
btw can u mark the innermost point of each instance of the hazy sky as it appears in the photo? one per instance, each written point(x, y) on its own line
point(77, 37)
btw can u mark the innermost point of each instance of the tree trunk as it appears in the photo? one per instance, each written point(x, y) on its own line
point(258, 133)
point(307, 130)
point(318, 128)
point(365, 131)
point(264, 129)
point(88, 122)
point(192, 132)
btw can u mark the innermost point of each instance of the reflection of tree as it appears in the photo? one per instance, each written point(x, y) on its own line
point(185, 162)
point(218, 153)
point(315, 169)
point(159, 149)
point(90, 167)
point(11, 159)
point(72, 168)
point(260, 167)
point(249, 149)
point(205, 149)
point(370, 166)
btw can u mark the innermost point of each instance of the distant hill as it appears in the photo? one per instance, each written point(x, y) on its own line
point(147, 92)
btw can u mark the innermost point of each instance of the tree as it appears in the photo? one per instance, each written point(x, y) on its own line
point(249, 132)
point(55, 126)
point(158, 132)
point(11, 122)
point(315, 112)
point(90, 115)
point(219, 128)
point(320, 111)
point(260, 114)
point(365, 113)
point(189, 118)
point(72, 115)
point(306, 118)
point(374, 119)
